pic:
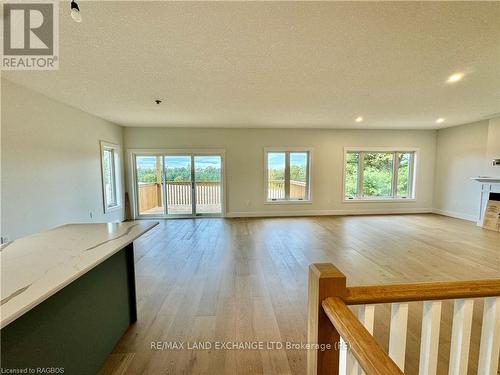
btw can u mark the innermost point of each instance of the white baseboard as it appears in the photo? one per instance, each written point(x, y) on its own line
point(375, 211)
point(456, 215)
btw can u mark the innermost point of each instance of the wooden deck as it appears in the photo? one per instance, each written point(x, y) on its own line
point(246, 279)
point(185, 209)
point(179, 198)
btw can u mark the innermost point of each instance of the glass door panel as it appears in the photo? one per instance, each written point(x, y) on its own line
point(179, 188)
point(208, 184)
point(149, 185)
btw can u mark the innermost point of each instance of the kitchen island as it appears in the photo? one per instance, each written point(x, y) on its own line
point(67, 296)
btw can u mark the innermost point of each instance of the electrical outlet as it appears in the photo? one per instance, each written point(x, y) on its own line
point(91, 214)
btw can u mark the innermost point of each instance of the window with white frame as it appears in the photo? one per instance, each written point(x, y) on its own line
point(110, 167)
point(287, 175)
point(375, 174)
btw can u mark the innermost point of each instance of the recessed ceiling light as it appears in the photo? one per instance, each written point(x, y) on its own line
point(440, 120)
point(455, 77)
point(359, 119)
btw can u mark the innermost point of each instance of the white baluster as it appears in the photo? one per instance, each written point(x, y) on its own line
point(490, 337)
point(348, 363)
point(460, 336)
point(346, 360)
point(366, 315)
point(429, 341)
point(397, 340)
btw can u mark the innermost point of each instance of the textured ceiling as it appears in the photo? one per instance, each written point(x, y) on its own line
point(278, 64)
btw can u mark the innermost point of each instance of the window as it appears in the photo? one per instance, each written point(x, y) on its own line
point(110, 168)
point(287, 175)
point(375, 174)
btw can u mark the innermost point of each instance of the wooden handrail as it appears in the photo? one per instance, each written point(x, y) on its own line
point(330, 319)
point(367, 351)
point(361, 295)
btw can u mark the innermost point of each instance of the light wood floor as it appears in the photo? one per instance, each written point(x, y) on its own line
point(246, 279)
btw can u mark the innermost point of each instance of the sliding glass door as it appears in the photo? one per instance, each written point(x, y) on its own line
point(178, 172)
point(208, 184)
point(181, 184)
point(149, 185)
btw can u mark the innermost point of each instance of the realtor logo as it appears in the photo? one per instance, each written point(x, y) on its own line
point(30, 35)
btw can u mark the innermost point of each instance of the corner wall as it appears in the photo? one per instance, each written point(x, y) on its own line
point(493, 147)
point(245, 165)
point(51, 171)
point(464, 152)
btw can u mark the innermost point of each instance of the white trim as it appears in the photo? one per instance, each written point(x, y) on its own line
point(285, 202)
point(381, 200)
point(286, 150)
point(176, 151)
point(456, 215)
point(117, 163)
point(381, 149)
point(132, 188)
point(374, 211)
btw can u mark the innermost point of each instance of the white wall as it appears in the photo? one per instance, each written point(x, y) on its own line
point(51, 172)
point(493, 147)
point(245, 165)
point(463, 152)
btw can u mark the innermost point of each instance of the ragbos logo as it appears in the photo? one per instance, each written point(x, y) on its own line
point(30, 35)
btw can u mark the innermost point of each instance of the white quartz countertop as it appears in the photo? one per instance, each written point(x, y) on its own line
point(35, 267)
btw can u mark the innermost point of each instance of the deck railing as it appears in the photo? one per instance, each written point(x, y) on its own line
point(150, 196)
point(276, 189)
point(354, 349)
point(178, 193)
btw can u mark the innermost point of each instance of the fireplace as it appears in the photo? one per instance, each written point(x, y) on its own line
point(488, 185)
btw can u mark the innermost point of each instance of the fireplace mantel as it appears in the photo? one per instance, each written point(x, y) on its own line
point(487, 180)
point(488, 185)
